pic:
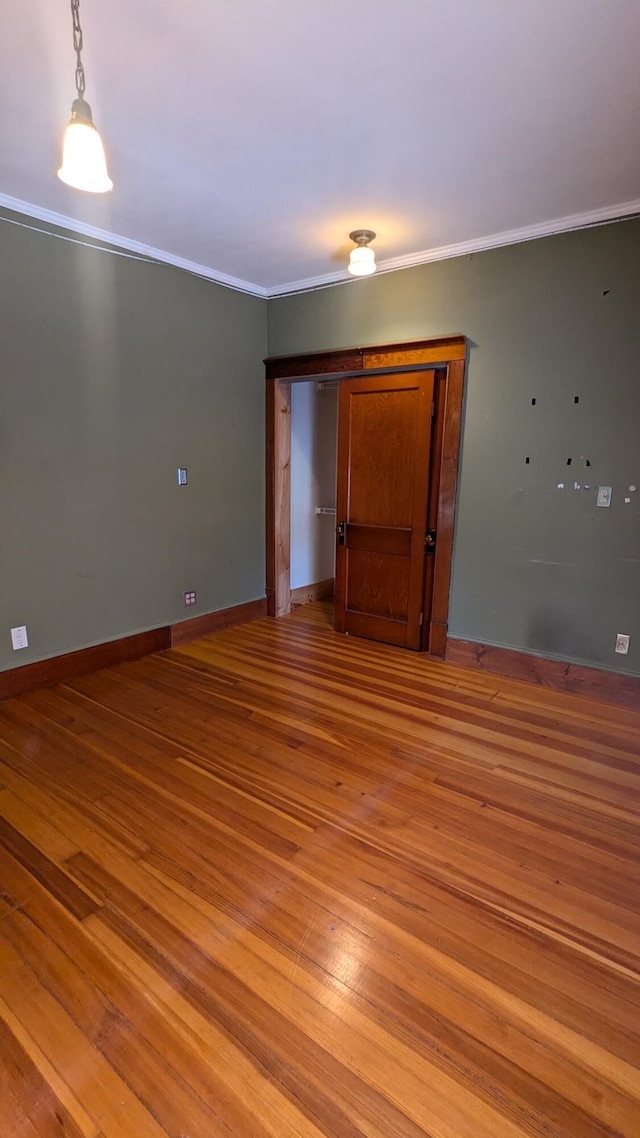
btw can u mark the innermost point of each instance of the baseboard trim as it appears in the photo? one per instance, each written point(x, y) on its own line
point(320, 591)
point(61, 669)
point(610, 687)
point(188, 630)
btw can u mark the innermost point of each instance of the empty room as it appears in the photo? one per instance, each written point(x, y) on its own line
point(319, 568)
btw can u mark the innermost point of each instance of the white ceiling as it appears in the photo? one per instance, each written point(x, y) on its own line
point(250, 136)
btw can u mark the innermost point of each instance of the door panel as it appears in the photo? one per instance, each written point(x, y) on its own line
point(378, 585)
point(383, 427)
point(384, 539)
point(384, 439)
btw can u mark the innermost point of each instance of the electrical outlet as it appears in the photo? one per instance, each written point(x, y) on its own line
point(190, 597)
point(604, 496)
point(622, 643)
point(182, 476)
point(19, 637)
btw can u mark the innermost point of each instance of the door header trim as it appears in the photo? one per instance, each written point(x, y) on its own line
point(311, 365)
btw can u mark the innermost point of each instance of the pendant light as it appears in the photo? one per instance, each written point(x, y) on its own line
point(84, 165)
point(362, 259)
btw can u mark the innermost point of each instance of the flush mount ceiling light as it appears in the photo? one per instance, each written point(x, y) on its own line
point(84, 165)
point(362, 259)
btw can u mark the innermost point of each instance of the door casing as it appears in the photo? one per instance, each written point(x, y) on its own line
point(446, 353)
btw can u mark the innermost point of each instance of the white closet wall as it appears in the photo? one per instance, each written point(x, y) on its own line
point(314, 424)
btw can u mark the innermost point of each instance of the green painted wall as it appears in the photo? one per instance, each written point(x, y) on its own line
point(114, 372)
point(536, 568)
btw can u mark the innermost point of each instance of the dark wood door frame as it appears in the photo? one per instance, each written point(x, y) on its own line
point(448, 354)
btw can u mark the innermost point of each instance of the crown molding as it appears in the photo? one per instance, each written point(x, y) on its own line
point(603, 216)
point(61, 221)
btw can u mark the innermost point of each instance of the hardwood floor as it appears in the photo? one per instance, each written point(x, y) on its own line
point(280, 882)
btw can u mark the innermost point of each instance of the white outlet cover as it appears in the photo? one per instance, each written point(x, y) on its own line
point(19, 637)
point(622, 643)
point(604, 496)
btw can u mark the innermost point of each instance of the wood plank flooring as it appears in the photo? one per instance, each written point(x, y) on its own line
point(284, 883)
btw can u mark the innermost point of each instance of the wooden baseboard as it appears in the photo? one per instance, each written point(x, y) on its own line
point(610, 687)
point(61, 669)
point(320, 591)
point(188, 630)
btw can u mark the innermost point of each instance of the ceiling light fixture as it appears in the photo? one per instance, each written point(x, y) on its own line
point(362, 259)
point(84, 165)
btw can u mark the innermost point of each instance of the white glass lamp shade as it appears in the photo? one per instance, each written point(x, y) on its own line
point(84, 165)
point(362, 261)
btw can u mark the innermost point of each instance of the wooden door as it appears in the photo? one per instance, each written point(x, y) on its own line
point(384, 444)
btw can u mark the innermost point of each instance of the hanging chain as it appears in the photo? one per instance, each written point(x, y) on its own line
point(77, 46)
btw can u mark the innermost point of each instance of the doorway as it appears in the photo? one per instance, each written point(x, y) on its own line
point(436, 366)
point(314, 435)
